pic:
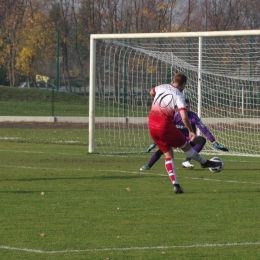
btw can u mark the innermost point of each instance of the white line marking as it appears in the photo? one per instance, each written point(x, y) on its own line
point(207, 179)
point(184, 177)
point(40, 152)
point(127, 172)
point(125, 248)
point(144, 155)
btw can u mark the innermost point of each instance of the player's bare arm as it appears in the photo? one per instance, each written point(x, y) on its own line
point(186, 121)
point(152, 93)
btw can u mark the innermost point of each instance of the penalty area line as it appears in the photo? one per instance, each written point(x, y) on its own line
point(135, 172)
point(183, 177)
point(126, 248)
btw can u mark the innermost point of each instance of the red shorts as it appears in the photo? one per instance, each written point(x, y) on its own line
point(167, 137)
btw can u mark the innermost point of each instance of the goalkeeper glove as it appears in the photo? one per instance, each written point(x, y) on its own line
point(220, 147)
point(150, 148)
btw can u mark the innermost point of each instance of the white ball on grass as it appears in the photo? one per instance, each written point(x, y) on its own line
point(219, 168)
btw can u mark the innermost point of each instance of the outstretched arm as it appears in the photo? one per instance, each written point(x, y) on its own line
point(209, 135)
point(220, 147)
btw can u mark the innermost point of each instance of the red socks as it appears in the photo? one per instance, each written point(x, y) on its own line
point(171, 170)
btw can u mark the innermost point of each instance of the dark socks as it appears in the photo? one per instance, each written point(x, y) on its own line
point(155, 157)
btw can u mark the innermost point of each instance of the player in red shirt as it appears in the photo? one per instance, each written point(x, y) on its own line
point(168, 97)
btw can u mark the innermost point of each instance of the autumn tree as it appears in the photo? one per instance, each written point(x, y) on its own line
point(225, 15)
point(37, 37)
point(12, 19)
point(28, 28)
point(252, 14)
point(190, 16)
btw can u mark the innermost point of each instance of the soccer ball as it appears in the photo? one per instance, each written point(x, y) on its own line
point(217, 169)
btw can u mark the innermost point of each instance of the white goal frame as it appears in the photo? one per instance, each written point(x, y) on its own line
point(92, 68)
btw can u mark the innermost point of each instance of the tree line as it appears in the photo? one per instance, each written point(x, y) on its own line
point(29, 29)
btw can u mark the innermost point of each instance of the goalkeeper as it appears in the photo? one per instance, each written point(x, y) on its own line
point(197, 144)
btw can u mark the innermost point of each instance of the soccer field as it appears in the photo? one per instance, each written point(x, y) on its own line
point(58, 201)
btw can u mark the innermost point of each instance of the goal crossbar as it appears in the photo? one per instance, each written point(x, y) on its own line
point(174, 34)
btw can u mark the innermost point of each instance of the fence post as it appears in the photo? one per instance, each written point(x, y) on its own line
point(58, 58)
point(52, 102)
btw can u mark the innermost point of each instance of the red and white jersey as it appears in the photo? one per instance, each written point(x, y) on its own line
point(167, 99)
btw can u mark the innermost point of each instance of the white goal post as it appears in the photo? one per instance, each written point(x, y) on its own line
point(223, 70)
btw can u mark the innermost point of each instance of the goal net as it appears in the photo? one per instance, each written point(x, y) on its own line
point(223, 70)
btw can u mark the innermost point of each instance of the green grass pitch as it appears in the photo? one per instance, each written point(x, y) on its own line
point(59, 202)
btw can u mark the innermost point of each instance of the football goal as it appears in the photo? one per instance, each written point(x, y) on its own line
point(223, 70)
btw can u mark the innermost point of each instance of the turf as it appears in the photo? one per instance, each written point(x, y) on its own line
point(35, 102)
point(60, 202)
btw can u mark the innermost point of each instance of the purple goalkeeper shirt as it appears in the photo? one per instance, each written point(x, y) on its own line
point(195, 123)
